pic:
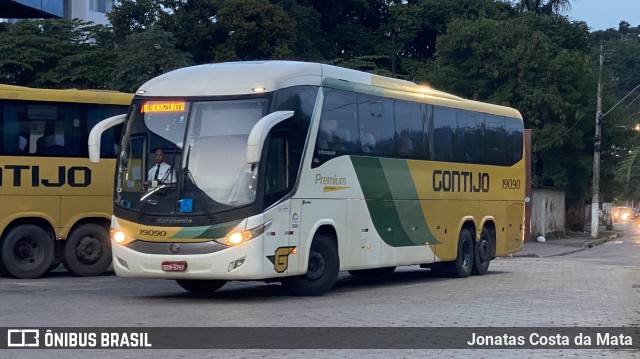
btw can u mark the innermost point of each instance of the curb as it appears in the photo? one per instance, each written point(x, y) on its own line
point(586, 245)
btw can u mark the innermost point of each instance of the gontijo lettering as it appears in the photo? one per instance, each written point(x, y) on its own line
point(22, 175)
point(457, 181)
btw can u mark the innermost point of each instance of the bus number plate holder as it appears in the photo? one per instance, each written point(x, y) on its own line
point(174, 266)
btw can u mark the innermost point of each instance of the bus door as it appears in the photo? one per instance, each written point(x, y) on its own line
point(280, 241)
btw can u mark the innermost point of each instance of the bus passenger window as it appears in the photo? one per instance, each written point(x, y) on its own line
point(405, 147)
point(409, 130)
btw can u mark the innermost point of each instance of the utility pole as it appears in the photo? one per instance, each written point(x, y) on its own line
point(596, 154)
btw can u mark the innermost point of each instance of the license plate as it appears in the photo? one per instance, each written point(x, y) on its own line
point(174, 266)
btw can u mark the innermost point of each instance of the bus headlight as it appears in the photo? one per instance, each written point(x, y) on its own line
point(237, 237)
point(120, 237)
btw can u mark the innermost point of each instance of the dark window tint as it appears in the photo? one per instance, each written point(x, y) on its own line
point(444, 127)
point(410, 138)
point(110, 140)
point(515, 135)
point(42, 129)
point(55, 129)
point(467, 137)
point(277, 172)
point(494, 140)
point(338, 133)
point(287, 141)
point(474, 137)
point(377, 132)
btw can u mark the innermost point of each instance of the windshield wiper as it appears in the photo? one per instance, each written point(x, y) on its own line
point(143, 198)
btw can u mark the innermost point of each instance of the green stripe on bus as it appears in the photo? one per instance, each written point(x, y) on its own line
point(392, 201)
point(213, 232)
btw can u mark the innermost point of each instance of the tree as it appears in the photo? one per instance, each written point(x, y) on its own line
point(255, 30)
point(132, 16)
point(419, 23)
point(539, 65)
point(194, 25)
point(548, 7)
point(54, 53)
point(144, 56)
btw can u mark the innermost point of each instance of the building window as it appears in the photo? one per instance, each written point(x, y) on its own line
point(103, 6)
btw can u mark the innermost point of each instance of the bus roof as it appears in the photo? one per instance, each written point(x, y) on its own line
point(10, 92)
point(249, 77)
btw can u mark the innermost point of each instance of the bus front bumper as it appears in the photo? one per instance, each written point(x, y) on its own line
point(241, 262)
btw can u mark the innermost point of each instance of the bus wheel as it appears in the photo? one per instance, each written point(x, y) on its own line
point(461, 267)
point(372, 273)
point(87, 251)
point(322, 272)
point(201, 286)
point(482, 252)
point(27, 252)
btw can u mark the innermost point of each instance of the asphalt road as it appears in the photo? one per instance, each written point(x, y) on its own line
point(598, 287)
point(623, 251)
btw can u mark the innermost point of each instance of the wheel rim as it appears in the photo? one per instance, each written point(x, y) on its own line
point(317, 266)
point(466, 254)
point(89, 250)
point(483, 252)
point(27, 251)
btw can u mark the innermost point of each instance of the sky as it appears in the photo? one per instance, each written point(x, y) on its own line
point(604, 14)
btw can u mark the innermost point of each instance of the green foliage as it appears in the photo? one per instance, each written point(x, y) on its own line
point(135, 16)
point(255, 30)
point(54, 53)
point(145, 55)
point(547, 7)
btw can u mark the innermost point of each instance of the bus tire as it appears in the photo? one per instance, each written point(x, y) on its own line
point(322, 271)
point(196, 286)
point(482, 252)
point(87, 250)
point(373, 272)
point(462, 265)
point(27, 252)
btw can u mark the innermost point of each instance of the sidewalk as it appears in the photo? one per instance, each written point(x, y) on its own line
point(571, 243)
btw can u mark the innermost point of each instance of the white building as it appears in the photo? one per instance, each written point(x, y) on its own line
point(86, 10)
point(89, 10)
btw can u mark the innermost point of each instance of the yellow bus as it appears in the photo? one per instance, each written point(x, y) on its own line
point(55, 205)
point(292, 172)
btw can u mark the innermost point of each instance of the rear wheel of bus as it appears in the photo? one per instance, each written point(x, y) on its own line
point(87, 251)
point(322, 271)
point(483, 252)
point(201, 286)
point(462, 265)
point(27, 252)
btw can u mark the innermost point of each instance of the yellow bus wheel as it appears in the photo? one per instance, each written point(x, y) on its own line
point(482, 252)
point(462, 265)
point(87, 250)
point(27, 252)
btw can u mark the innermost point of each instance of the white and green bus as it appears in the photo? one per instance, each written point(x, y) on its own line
point(292, 172)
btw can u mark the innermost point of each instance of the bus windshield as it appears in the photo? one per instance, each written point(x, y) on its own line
point(188, 156)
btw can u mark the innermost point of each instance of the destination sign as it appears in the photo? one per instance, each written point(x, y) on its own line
point(155, 106)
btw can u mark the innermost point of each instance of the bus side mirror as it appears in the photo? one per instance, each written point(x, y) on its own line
point(260, 131)
point(96, 134)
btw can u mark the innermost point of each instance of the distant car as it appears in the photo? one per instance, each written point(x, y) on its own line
point(622, 214)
